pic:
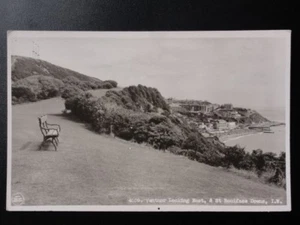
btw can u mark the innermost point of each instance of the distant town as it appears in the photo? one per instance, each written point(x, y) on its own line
point(219, 120)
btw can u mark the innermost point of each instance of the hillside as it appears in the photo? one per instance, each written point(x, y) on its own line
point(250, 116)
point(23, 67)
point(140, 114)
point(34, 79)
point(93, 169)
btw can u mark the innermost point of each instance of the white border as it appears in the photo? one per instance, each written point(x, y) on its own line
point(132, 35)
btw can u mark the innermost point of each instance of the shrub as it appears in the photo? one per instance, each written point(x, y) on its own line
point(195, 142)
point(246, 163)
point(106, 85)
point(157, 119)
point(138, 98)
point(70, 91)
point(36, 87)
point(212, 157)
point(234, 156)
point(23, 94)
point(259, 161)
point(75, 82)
point(112, 82)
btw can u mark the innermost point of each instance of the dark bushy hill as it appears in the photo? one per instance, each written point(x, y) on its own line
point(30, 78)
point(138, 98)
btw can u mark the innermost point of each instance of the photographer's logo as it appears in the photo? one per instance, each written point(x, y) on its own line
point(17, 199)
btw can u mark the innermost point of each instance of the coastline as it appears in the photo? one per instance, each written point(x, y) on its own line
point(242, 132)
point(235, 134)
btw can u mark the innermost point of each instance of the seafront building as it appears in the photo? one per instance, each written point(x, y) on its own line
point(227, 106)
point(220, 125)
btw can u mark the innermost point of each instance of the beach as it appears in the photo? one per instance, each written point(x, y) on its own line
point(268, 142)
point(237, 133)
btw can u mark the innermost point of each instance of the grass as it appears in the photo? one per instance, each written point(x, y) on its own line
point(93, 169)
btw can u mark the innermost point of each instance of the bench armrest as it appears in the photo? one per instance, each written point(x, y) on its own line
point(47, 129)
point(54, 125)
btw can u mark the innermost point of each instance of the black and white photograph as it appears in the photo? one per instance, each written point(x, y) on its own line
point(148, 121)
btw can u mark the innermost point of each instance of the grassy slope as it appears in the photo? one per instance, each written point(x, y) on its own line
point(25, 66)
point(89, 168)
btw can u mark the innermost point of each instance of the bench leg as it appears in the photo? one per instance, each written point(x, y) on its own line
point(41, 145)
point(53, 140)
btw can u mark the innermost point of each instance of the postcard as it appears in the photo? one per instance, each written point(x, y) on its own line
point(148, 121)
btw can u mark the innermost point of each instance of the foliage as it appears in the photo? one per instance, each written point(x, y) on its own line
point(113, 83)
point(35, 88)
point(234, 156)
point(22, 94)
point(138, 98)
point(70, 91)
point(34, 79)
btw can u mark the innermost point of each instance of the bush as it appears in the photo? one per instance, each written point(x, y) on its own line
point(23, 94)
point(234, 156)
point(75, 82)
point(157, 119)
point(70, 91)
point(112, 82)
point(138, 98)
point(35, 88)
point(195, 142)
point(258, 161)
point(106, 85)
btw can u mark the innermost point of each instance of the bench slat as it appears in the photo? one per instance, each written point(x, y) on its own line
point(52, 133)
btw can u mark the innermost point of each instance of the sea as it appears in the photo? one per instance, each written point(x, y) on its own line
point(268, 142)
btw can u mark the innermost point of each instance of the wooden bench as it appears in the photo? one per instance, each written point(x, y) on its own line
point(50, 131)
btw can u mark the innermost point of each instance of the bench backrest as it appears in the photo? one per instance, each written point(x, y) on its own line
point(43, 124)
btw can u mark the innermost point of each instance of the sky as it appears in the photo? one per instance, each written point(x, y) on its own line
point(244, 71)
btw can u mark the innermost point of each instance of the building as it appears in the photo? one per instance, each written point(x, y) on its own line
point(227, 106)
point(235, 114)
point(231, 125)
point(215, 106)
point(204, 108)
point(220, 125)
point(202, 126)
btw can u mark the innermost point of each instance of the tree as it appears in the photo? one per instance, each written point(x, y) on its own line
point(234, 156)
point(259, 161)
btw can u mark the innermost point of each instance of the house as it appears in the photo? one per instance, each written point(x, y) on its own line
point(227, 106)
point(215, 106)
point(202, 126)
point(235, 114)
point(220, 125)
point(231, 125)
point(202, 107)
point(206, 108)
